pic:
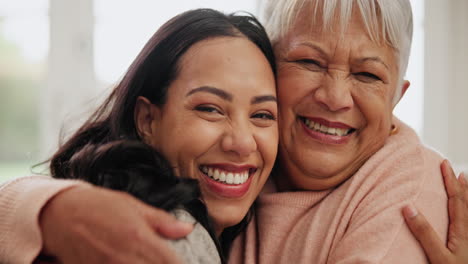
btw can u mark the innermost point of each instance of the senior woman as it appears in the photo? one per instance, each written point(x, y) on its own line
point(346, 165)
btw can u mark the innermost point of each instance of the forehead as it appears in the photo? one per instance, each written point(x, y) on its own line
point(351, 41)
point(225, 63)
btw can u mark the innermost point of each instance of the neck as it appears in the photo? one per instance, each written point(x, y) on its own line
point(282, 182)
point(218, 230)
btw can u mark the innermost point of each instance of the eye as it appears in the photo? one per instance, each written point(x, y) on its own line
point(208, 109)
point(311, 64)
point(367, 77)
point(264, 116)
point(309, 61)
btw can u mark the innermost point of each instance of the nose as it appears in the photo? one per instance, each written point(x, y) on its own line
point(335, 93)
point(239, 139)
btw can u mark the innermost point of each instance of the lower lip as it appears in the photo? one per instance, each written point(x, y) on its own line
point(325, 138)
point(227, 190)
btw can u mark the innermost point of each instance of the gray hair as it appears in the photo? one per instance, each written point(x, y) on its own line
point(390, 21)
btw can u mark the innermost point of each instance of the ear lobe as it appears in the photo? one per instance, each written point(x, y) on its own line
point(145, 116)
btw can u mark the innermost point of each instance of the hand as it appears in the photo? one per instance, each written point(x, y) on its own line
point(88, 224)
point(456, 251)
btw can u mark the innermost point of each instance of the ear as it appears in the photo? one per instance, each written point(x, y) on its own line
point(146, 116)
point(404, 87)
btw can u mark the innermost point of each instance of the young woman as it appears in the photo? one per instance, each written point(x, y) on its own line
point(201, 95)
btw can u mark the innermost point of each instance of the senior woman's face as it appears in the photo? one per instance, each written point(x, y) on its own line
point(219, 124)
point(335, 98)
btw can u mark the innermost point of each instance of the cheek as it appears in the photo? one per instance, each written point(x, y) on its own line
point(375, 104)
point(267, 142)
point(184, 144)
point(295, 85)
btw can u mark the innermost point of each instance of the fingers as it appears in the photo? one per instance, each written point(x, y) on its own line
point(167, 225)
point(458, 201)
point(462, 180)
point(433, 246)
point(452, 185)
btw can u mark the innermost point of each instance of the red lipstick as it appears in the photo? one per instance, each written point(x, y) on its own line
point(228, 190)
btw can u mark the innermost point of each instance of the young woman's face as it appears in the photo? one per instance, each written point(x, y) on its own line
point(219, 124)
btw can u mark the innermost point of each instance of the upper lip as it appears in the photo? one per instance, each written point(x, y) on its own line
point(231, 167)
point(329, 123)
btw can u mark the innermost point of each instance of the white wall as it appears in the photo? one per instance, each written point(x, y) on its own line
point(446, 79)
point(71, 82)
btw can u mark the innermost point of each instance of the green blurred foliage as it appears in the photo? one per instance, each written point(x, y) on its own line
point(20, 84)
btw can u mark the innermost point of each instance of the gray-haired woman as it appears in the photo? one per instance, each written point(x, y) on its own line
point(346, 165)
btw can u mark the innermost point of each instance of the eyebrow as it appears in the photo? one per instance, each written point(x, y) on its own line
point(263, 98)
point(374, 59)
point(315, 47)
point(213, 90)
point(228, 97)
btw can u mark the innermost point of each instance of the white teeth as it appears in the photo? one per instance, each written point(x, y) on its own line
point(230, 178)
point(324, 129)
point(222, 177)
point(215, 175)
point(237, 179)
point(340, 132)
point(315, 126)
point(225, 176)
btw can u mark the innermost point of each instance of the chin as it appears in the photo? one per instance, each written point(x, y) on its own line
point(317, 178)
point(227, 217)
point(226, 213)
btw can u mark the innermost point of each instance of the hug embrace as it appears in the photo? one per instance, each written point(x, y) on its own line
point(281, 152)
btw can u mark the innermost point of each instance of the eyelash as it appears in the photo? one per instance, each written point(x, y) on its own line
point(310, 61)
point(263, 115)
point(208, 109)
point(211, 109)
point(317, 64)
point(368, 75)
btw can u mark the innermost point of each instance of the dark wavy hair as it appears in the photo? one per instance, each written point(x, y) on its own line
point(107, 150)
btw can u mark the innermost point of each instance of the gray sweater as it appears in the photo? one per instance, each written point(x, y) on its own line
point(197, 247)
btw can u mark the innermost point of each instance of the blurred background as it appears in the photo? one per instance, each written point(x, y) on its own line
point(59, 58)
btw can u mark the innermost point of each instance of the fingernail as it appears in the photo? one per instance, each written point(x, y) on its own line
point(185, 225)
point(463, 178)
point(410, 211)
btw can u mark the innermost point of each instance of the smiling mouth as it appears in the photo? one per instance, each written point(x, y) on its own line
point(227, 177)
point(321, 128)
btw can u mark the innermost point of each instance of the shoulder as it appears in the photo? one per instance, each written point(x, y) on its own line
point(403, 155)
point(402, 171)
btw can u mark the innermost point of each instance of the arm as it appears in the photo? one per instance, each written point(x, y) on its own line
point(83, 224)
point(20, 203)
point(456, 251)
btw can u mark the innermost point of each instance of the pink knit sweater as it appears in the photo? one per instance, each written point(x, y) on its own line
point(21, 201)
point(358, 222)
